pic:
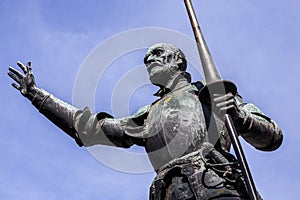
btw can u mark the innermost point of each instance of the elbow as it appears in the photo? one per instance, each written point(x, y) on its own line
point(275, 142)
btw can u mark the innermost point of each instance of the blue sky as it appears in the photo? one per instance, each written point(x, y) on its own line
point(254, 43)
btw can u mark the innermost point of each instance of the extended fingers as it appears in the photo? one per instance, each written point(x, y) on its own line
point(28, 67)
point(14, 76)
point(16, 86)
point(16, 72)
point(22, 66)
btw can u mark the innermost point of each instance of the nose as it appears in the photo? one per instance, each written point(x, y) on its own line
point(148, 59)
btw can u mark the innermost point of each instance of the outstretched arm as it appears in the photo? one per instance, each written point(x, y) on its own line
point(56, 110)
point(86, 128)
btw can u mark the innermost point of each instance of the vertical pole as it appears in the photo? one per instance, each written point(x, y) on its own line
point(210, 70)
point(241, 157)
point(212, 77)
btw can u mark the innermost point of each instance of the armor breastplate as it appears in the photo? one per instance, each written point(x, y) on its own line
point(175, 126)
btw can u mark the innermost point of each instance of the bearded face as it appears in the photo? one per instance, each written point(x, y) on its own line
point(164, 62)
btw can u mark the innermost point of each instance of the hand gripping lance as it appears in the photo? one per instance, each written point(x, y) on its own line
point(215, 85)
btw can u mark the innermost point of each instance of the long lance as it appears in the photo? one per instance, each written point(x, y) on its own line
point(215, 85)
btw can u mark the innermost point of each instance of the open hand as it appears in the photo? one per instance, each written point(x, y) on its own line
point(26, 82)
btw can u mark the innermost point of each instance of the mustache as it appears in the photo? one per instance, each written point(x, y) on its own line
point(154, 64)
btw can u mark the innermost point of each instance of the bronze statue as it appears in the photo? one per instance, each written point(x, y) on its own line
point(175, 130)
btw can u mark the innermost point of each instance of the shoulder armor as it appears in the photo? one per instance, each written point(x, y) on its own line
point(141, 111)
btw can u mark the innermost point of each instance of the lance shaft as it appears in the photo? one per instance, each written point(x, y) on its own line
point(215, 85)
point(210, 70)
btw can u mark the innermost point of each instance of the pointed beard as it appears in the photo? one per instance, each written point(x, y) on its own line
point(161, 74)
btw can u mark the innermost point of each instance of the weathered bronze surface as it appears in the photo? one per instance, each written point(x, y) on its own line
point(188, 148)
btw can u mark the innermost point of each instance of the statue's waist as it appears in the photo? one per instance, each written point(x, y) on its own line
point(205, 156)
point(191, 158)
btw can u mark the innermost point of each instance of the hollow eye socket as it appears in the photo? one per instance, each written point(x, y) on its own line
point(158, 52)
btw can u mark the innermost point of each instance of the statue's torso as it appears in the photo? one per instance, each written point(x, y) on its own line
point(175, 126)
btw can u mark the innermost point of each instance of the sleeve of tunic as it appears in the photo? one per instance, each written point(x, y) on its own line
point(103, 129)
point(257, 129)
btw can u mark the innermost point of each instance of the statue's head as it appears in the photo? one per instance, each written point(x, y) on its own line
point(164, 62)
